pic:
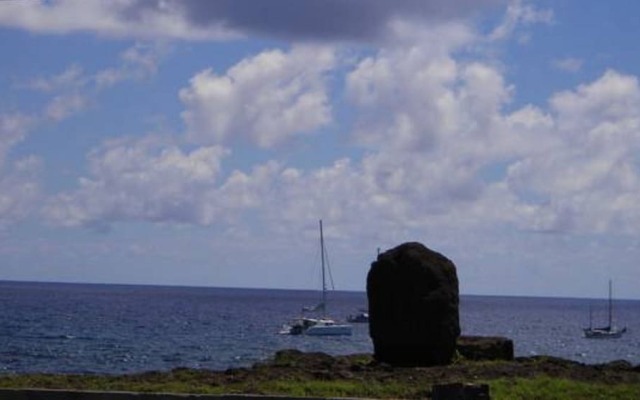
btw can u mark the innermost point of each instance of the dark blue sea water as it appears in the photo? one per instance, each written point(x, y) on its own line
point(80, 328)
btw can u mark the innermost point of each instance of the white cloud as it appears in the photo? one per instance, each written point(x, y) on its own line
point(416, 138)
point(19, 180)
point(138, 62)
point(110, 18)
point(569, 64)
point(589, 180)
point(68, 91)
point(73, 89)
point(144, 180)
point(71, 78)
point(436, 126)
point(520, 14)
point(14, 128)
point(443, 152)
point(64, 106)
point(402, 95)
point(266, 99)
point(19, 190)
point(412, 99)
point(612, 99)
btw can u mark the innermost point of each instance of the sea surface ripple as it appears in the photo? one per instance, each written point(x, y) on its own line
point(115, 329)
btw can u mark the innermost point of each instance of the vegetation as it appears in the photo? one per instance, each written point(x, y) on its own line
point(549, 388)
point(314, 374)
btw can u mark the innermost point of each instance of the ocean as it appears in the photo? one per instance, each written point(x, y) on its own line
point(116, 329)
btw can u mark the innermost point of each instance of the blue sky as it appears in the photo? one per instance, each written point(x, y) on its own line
point(199, 142)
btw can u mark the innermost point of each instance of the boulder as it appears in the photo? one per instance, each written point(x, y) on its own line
point(479, 348)
point(460, 391)
point(413, 306)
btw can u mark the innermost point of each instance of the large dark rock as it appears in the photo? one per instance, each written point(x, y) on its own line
point(460, 391)
point(413, 306)
point(480, 348)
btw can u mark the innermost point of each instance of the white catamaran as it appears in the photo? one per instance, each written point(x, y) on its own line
point(322, 326)
point(605, 332)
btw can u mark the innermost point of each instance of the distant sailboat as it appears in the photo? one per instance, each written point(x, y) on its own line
point(606, 332)
point(361, 317)
point(323, 326)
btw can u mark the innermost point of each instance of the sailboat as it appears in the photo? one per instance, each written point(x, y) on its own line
point(362, 317)
point(606, 332)
point(322, 326)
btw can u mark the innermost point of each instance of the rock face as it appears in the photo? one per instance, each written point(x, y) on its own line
point(413, 306)
point(480, 348)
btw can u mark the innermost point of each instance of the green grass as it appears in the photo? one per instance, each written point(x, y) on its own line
point(190, 381)
point(317, 388)
point(547, 388)
point(169, 384)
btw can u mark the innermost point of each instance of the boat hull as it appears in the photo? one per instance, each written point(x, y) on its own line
point(317, 327)
point(605, 332)
point(610, 333)
point(329, 330)
point(360, 318)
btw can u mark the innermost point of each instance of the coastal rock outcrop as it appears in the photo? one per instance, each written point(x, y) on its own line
point(482, 348)
point(413, 306)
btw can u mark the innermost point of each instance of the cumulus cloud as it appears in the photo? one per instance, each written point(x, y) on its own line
point(443, 146)
point(589, 179)
point(19, 179)
point(266, 99)
point(432, 124)
point(70, 92)
point(445, 149)
point(414, 100)
point(144, 180)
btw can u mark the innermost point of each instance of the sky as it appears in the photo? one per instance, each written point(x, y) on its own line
point(199, 142)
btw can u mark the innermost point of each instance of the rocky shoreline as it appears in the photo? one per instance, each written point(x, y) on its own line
point(297, 365)
point(294, 373)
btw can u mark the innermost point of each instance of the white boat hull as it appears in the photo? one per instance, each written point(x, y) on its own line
point(361, 318)
point(329, 330)
point(317, 327)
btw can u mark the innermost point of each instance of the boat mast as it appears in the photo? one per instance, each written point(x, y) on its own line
point(324, 285)
point(610, 307)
